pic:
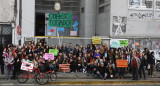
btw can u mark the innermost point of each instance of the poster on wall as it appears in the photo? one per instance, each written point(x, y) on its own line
point(117, 43)
point(96, 40)
point(119, 25)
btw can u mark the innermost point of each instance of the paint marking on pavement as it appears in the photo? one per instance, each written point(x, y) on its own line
point(6, 84)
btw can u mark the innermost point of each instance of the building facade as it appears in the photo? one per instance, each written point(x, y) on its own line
point(135, 20)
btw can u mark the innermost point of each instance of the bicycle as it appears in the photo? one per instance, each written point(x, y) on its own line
point(41, 78)
point(52, 75)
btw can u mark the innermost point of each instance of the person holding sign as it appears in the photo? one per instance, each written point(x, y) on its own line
point(121, 70)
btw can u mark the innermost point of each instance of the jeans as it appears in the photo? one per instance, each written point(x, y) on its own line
point(7, 73)
point(135, 73)
point(142, 70)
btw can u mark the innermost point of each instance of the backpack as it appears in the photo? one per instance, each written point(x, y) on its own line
point(134, 63)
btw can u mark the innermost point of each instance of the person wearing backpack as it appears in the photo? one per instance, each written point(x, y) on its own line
point(135, 64)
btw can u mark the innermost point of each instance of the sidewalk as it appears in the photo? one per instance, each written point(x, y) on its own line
point(104, 82)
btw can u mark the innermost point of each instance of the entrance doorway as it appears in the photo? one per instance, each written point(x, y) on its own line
point(40, 24)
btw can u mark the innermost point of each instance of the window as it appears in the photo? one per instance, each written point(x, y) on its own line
point(101, 2)
point(141, 4)
point(101, 9)
point(82, 10)
point(157, 4)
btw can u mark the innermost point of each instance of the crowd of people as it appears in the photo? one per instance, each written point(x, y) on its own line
point(97, 60)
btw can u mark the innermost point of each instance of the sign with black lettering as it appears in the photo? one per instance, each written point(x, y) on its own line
point(60, 20)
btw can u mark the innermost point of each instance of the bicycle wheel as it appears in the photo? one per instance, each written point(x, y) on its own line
point(158, 66)
point(53, 76)
point(22, 76)
point(42, 78)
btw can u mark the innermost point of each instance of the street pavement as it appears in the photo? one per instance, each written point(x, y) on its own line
point(82, 79)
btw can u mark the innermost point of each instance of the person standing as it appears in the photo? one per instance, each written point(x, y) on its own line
point(135, 64)
point(142, 66)
point(16, 65)
point(4, 55)
point(8, 66)
point(151, 63)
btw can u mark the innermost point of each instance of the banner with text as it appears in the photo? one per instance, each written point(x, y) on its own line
point(122, 63)
point(54, 51)
point(96, 40)
point(60, 20)
point(49, 56)
point(27, 66)
point(64, 67)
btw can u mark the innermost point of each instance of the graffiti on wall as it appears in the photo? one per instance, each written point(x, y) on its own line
point(119, 25)
point(141, 15)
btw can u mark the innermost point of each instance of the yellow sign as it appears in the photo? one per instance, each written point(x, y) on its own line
point(96, 40)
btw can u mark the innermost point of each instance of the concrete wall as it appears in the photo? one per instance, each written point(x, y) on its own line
point(7, 10)
point(140, 23)
point(103, 21)
point(28, 19)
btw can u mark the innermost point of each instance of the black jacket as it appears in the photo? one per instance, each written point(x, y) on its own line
point(151, 59)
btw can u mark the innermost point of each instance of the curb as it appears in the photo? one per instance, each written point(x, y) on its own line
point(103, 82)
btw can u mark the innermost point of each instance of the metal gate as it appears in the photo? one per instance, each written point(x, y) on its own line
point(5, 35)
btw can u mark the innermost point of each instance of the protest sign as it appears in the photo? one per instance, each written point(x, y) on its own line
point(54, 51)
point(123, 42)
point(122, 63)
point(27, 66)
point(60, 20)
point(64, 67)
point(96, 40)
point(115, 44)
point(49, 56)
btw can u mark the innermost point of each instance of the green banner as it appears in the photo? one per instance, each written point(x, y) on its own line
point(54, 51)
point(123, 42)
point(60, 20)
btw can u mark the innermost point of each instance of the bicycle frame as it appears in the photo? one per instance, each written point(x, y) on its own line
point(37, 70)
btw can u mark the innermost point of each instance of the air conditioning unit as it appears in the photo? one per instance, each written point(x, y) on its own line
point(28, 38)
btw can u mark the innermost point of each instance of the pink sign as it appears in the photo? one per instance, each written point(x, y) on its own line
point(49, 56)
point(159, 44)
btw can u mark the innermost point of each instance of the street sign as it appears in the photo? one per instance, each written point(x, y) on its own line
point(18, 30)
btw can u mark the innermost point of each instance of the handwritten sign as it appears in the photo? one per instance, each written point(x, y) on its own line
point(96, 40)
point(49, 56)
point(54, 51)
point(27, 66)
point(122, 63)
point(123, 42)
point(64, 67)
point(60, 20)
point(115, 44)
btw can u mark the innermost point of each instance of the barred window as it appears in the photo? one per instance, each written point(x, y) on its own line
point(157, 4)
point(101, 2)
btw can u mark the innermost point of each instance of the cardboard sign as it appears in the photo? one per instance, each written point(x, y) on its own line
point(27, 66)
point(54, 51)
point(64, 67)
point(96, 40)
point(123, 42)
point(122, 63)
point(60, 20)
point(49, 56)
